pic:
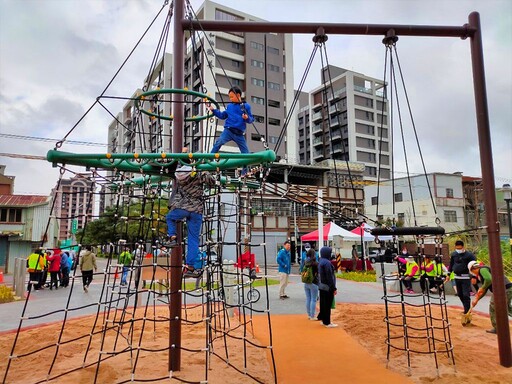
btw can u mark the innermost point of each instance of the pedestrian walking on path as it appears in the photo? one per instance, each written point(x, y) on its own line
point(87, 264)
point(327, 286)
point(285, 266)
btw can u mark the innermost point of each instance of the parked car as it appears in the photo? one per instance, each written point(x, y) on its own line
point(379, 256)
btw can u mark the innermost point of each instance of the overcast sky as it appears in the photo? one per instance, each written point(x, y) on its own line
point(57, 56)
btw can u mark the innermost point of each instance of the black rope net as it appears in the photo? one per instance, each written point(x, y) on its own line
point(116, 332)
point(417, 320)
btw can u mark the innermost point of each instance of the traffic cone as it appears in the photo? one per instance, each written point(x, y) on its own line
point(1, 277)
point(257, 268)
point(116, 273)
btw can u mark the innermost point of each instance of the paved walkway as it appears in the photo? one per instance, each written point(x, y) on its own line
point(45, 301)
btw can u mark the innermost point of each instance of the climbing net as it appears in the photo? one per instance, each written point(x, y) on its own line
point(418, 323)
point(129, 325)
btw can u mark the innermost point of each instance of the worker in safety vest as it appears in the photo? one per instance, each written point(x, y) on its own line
point(412, 272)
point(428, 273)
point(35, 266)
point(483, 274)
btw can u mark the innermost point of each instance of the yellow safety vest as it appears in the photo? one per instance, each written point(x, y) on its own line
point(408, 269)
point(35, 262)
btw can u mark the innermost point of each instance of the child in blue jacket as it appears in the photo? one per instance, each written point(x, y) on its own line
point(237, 115)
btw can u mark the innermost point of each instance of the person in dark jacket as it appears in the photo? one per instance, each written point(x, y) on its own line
point(327, 286)
point(311, 289)
point(459, 261)
point(186, 203)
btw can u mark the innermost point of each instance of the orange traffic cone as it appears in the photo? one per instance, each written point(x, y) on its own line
point(1, 277)
point(257, 268)
point(116, 273)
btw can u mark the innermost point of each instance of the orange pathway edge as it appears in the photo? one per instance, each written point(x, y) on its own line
point(307, 352)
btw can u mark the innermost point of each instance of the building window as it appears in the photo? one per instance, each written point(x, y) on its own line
point(257, 82)
point(257, 46)
point(372, 171)
point(258, 100)
point(449, 192)
point(273, 139)
point(257, 63)
point(222, 15)
point(235, 63)
point(273, 68)
point(450, 216)
point(275, 104)
point(10, 215)
point(400, 217)
point(235, 46)
point(272, 121)
point(236, 82)
point(274, 86)
point(259, 119)
point(273, 50)
point(398, 197)
point(256, 137)
point(375, 200)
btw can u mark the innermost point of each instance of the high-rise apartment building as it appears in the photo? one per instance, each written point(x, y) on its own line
point(74, 201)
point(260, 64)
point(348, 121)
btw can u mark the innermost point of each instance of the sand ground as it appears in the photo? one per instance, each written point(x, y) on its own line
point(354, 352)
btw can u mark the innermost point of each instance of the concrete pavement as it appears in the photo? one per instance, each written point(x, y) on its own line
point(47, 306)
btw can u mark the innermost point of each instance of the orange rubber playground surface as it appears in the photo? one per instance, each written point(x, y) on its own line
point(307, 352)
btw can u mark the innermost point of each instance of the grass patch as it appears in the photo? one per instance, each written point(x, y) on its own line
point(359, 276)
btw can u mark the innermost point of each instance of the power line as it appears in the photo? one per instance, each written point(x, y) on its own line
point(20, 156)
point(47, 139)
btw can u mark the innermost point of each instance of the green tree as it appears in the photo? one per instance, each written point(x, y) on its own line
point(131, 223)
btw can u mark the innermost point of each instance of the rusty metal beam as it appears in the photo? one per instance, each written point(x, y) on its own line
point(329, 28)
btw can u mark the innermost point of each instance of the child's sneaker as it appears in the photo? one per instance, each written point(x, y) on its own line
point(170, 242)
point(190, 271)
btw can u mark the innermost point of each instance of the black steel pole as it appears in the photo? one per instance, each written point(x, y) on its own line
point(486, 163)
point(176, 265)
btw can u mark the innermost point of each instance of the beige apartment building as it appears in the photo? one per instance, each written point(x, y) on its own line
point(346, 122)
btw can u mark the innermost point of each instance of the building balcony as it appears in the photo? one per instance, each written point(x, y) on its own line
point(335, 122)
point(337, 148)
point(339, 93)
point(318, 155)
point(317, 128)
point(318, 141)
point(317, 116)
point(335, 135)
point(363, 89)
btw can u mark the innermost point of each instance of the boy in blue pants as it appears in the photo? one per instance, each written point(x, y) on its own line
point(187, 204)
point(237, 115)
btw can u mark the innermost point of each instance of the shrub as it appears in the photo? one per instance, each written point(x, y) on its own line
point(6, 294)
point(359, 276)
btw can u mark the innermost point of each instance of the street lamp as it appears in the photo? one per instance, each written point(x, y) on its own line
point(507, 195)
